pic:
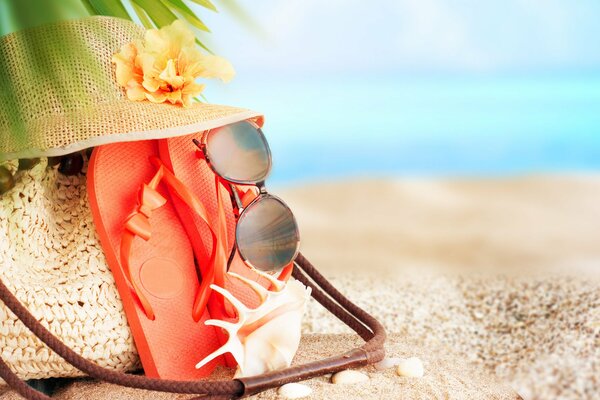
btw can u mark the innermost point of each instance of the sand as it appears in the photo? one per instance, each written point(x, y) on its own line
point(506, 272)
point(445, 378)
point(532, 223)
point(495, 284)
point(539, 335)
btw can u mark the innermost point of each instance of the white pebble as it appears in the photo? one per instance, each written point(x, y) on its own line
point(348, 377)
point(294, 391)
point(387, 363)
point(412, 367)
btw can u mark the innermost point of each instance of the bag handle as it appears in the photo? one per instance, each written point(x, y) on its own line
point(323, 291)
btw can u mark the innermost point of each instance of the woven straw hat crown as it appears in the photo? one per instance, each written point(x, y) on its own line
point(53, 105)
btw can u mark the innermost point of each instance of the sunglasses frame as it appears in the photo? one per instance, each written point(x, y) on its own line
point(203, 145)
point(260, 184)
point(242, 210)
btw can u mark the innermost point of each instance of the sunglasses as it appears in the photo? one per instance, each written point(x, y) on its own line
point(266, 235)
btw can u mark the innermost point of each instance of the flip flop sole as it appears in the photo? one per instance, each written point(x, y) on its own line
point(162, 267)
point(179, 155)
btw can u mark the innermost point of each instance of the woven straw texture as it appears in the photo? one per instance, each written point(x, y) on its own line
point(53, 105)
point(52, 261)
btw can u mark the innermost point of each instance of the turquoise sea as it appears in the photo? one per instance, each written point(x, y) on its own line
point(346, 126)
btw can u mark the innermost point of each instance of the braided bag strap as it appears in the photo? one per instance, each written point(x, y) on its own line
point(367, 327)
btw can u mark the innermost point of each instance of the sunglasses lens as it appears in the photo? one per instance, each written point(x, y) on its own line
point(267, 234)
point(239, 152)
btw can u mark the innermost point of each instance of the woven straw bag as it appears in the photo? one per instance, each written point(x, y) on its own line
point(52, 261)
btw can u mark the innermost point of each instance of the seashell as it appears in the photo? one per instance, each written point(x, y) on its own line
point(348, 377)
point(387, 363)
point(294, 391)
point(267, 337)
point(411, 367)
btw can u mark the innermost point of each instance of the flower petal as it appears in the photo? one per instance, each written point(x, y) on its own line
point(135, 92)
point(157, 97)
point(169, 75)
point(180, 33)
point(210, 66)
point(193, 89)
point(165, 65)
point(124, 62)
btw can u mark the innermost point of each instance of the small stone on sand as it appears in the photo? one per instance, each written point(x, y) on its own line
point(349, 377)
point(387, 363)
point(294, 391)
point(411, 367)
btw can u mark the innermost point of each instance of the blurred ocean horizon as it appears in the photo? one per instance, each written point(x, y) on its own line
point(429, 125)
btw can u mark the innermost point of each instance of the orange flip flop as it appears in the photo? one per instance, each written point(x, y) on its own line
point(151, 257)
point(180, 156)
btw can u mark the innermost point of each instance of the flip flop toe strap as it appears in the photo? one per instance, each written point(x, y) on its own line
point(138, 225)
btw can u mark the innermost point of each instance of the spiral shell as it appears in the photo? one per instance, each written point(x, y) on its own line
point(267, 337)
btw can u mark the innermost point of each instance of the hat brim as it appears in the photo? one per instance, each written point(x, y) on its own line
point(123, 121)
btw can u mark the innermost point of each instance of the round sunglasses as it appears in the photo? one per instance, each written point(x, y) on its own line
point(266, 235)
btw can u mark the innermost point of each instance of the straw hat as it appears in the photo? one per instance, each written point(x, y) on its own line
point(76, 103)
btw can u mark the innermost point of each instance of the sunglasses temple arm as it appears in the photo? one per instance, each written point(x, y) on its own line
point(238, 203)
point(231, 255)
point(236, 197)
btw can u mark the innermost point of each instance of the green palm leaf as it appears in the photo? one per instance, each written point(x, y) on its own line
point(206, 4)
point(20, 14)
point(142, 16)
point(106, 7)
point(188, 14)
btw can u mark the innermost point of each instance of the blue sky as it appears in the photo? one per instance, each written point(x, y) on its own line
point(472, 36)
point(434, 87)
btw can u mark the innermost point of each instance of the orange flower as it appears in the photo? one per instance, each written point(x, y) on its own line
point(165, 66)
